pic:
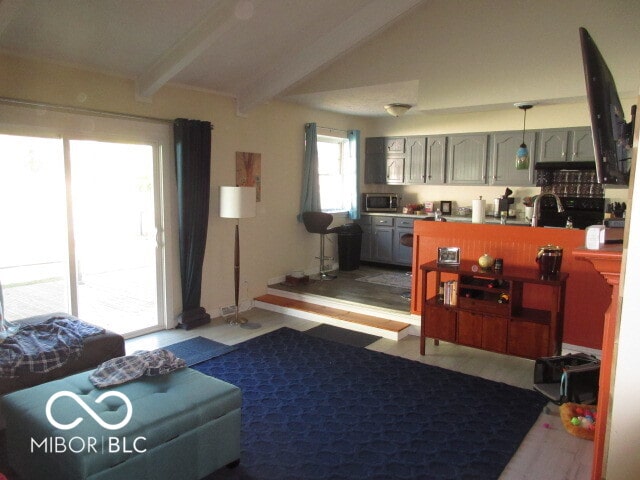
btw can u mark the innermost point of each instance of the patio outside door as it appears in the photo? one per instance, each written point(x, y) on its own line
point(114, 228)
point(79, 231)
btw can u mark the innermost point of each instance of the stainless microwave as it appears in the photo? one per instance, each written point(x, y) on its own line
point(379, 202)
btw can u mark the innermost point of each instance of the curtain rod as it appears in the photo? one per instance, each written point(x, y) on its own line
point(330, 128)
point(83, 111)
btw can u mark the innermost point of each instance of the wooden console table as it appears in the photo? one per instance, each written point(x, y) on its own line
point(486, 310)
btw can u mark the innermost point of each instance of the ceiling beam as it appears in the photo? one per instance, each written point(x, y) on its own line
point(219, 19)
point(289, 70)
point(8, 9)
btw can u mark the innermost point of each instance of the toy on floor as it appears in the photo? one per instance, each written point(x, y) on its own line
point(579, 420)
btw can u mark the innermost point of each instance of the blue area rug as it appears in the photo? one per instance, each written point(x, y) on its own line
point(316, 409)
point(199, 349)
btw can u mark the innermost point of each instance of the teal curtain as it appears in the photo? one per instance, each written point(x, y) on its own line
point(310, 194)
point(354, 172)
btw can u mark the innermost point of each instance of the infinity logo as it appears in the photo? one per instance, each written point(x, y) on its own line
point(88, 409)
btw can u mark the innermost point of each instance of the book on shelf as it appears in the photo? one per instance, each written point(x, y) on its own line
point(450, 293)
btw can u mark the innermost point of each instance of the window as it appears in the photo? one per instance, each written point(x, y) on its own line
point(334, 175)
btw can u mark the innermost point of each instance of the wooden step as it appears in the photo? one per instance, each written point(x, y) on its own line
point(382, 327)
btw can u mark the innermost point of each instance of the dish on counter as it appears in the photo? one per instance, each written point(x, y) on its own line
point(464, 211)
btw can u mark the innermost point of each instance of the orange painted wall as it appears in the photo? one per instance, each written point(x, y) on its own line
point(587, 296)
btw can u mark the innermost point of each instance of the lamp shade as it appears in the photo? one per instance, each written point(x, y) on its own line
point(237, 202)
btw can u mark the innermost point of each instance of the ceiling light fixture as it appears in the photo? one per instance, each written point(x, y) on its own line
point(397, 109)
point(522, 156)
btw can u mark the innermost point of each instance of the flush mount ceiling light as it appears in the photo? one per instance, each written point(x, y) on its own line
point(397, 109)
point(522, 156)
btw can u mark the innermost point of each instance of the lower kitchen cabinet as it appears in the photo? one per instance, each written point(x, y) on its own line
point(365, 248)
point(382, 244)
point(485, 309)
point(381, 239)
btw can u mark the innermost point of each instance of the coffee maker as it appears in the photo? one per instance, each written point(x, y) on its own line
point(501, 204)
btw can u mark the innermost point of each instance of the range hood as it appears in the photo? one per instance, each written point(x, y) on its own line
point(553, 166)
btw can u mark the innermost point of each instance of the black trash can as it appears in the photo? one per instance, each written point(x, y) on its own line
point(349, 245)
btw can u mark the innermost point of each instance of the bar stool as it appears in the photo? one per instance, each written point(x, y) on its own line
point(317, 222)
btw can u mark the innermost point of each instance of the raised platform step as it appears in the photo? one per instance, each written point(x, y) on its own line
point(383, 327)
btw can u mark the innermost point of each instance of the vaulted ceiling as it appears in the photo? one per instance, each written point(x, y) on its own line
point(351, 56)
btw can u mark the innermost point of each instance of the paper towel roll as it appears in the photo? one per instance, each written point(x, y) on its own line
point(477, 211)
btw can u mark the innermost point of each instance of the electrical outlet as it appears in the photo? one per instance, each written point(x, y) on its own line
point(227, 311)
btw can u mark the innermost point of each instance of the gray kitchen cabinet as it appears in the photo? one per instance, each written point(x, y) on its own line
point(395, 150)
point(582, 145)
point(365, 223)
point(382, 239)
point(395, 145)
point(415, 163)
point(402, 255)
point(467, 159)
point(553, 145)
point(435, 173)
point(565, 145)
point(502, 165)
point(395, 170)
point(375, 160)
point(384, 160)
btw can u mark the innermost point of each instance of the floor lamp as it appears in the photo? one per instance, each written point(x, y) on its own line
point(238, 202)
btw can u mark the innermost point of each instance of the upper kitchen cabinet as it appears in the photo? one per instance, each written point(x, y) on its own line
point(395, 150)
point(467, 159)
point(415, 160)
point(582, 145)
point(375, 160)
point(395, 145)
point(395, 170)
point(384, 160)
point(566, 145)
point(435, 173)
point(502, 167)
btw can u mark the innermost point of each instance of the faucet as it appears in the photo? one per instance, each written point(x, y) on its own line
point(536, 207)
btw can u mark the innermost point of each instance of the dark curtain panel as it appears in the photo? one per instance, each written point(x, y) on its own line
point(193, 168)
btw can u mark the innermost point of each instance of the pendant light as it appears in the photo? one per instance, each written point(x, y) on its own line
point(522, 156)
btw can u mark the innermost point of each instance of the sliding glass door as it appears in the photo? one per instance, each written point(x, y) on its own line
point(114, 228)
point(84, 216)
point(33, 226)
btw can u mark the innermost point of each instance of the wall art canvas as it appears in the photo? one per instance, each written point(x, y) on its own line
point(248, 171)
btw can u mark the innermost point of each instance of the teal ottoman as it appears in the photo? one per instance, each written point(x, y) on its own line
point(183, 425)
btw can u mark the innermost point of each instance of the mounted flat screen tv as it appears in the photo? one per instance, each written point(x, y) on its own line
point(612, 135)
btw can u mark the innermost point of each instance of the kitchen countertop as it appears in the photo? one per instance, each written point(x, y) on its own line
point(450, 218)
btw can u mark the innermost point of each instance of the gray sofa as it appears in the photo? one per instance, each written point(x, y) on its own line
point(96, 349)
